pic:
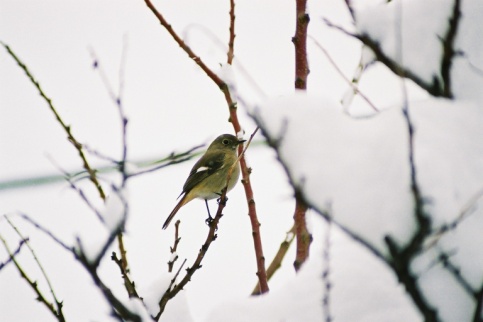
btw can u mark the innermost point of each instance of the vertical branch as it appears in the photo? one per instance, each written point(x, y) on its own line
point(174, 248)
point(300, 43)
point(252, 213)
point(301, 73)
point(117, 100)
point(278, 258)
point(232, 106)
point(448, 49)
point(231, 41)
point(304, 238)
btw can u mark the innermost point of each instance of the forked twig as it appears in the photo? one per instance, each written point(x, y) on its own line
point(232, 106)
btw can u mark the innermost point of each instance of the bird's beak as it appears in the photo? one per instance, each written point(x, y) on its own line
point(241, 141)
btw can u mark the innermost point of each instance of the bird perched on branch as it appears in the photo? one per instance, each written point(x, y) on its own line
point(209, 175)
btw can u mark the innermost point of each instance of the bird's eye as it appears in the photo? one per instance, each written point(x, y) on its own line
point(225, 142)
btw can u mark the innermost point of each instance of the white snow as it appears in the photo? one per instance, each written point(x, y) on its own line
point(402, 26)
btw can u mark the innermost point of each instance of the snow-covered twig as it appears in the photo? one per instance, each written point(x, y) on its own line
point(434, 87)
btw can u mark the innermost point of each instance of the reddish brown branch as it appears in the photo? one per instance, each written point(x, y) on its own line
point(175, 247)
point(70, 137)
point(231, 41)
point(300, 43)
point(304, 238)
point(301, 73)
point(261, 273)
point(252, 213)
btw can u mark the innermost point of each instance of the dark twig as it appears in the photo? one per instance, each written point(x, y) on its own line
point(128, 284)
point(449, 51)
point(172, 291)
point(445, 260)
point(14, 253)
point(174, 255)
point(119, 310)
point(170, 160)
point(80, 192)
point(478, 316)
point(67, 128)
point(401, 257)
point(45, 231)
point(434, 87)
point(33, 284)
point(59, 304)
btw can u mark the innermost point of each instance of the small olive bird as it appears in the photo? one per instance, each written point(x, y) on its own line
point(209, 175)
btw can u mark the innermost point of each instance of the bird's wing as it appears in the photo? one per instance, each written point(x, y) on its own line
point(205, 167)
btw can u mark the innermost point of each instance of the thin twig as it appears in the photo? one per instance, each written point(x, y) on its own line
point(278, 258)
point(232, 106)
point(128, 284)
point(231, 41)
point(45, 231)
point(354, 86)
point(172, 291)
point(14, 253)
point(58, 303)
point(67, 128)
point(118, 309)
point(326, 274)
point(402, 257)
point(174, 255)
point(33, 284)
point(304, 238)
point(433, 87)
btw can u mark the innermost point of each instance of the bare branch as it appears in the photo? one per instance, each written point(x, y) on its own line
point(59, 304)
point(232, 106)
point(278, 258)
point(173, 249)
point(67, 128)
point(231, 41)
point(14, 253)
point(352, 84)
point(33, 284)
point(449, 51)
point(434, 87)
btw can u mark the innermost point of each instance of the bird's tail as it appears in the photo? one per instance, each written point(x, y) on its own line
point(180, 204)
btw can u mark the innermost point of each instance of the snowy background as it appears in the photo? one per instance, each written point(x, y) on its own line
point(350, 162)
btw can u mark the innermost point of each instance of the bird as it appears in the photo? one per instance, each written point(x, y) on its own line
point(209, 175)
